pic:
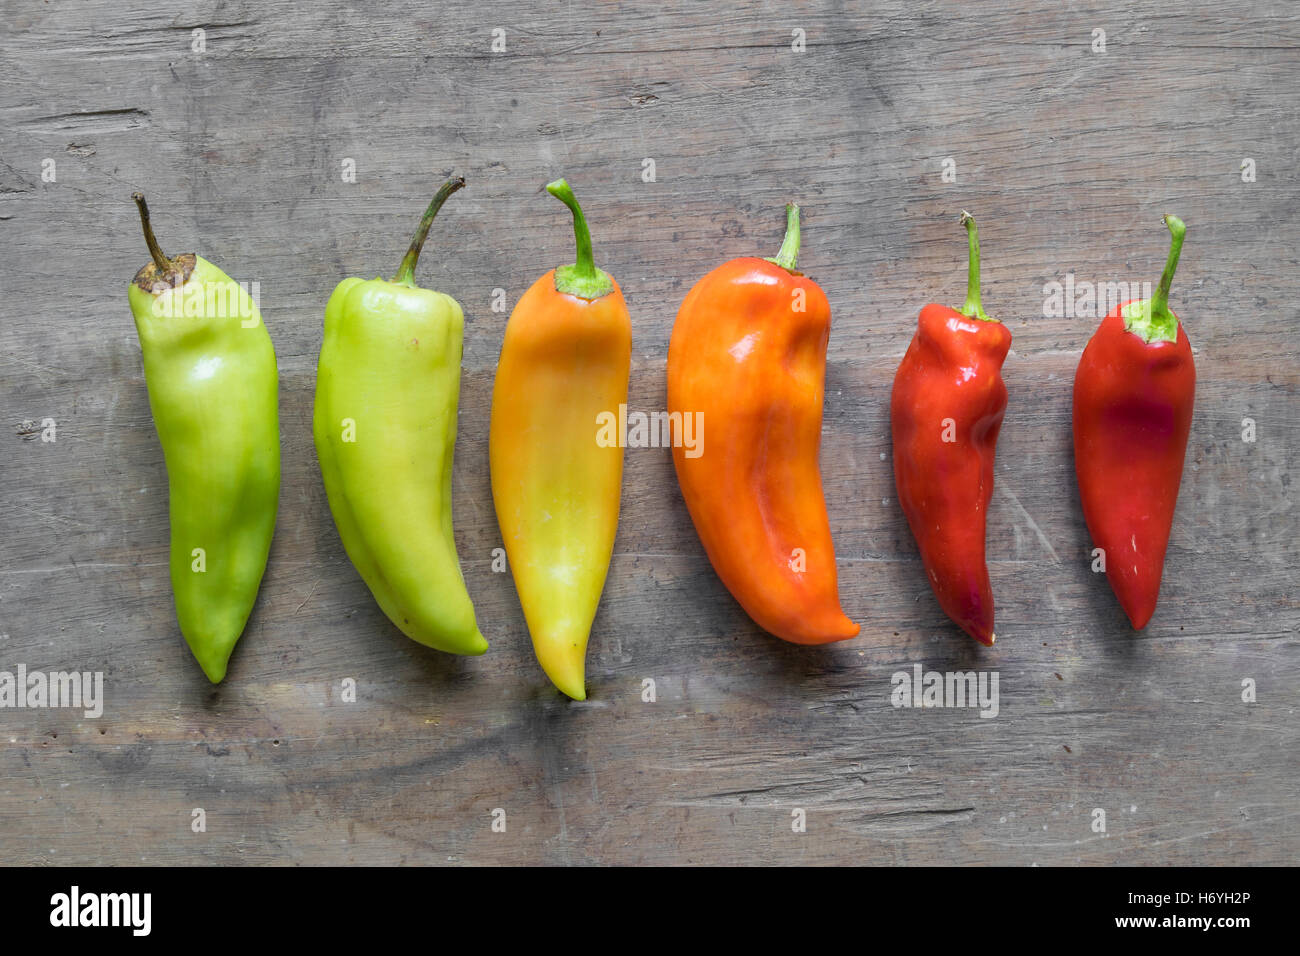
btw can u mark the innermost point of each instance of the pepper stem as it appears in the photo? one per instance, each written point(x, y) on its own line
point(1177, 230)
point(1153, 320)
point(406, 271)
point(582, 279)
point(788, 254)
point(165, 266)
point(973, 307)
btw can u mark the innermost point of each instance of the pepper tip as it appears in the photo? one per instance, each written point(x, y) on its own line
point(568, 676)
point(574, 690)
point(214, 669)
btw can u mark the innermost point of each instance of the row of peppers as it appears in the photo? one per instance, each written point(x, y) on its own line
point(748, 349)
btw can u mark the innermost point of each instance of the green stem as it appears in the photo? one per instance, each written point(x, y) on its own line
point(788, 254)
point(1177, 230)
point(586, 264)
point(165, 266)
point(406, 271)
point(582, 279)
point(973, 306)
point(1153, 320)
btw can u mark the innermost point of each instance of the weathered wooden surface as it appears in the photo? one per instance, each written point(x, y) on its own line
point(1067, 157)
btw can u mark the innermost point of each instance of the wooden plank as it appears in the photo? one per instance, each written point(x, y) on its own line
point(1067, 156)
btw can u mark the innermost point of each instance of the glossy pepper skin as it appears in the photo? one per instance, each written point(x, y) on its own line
point(1133, 396)
point(556, 486)
point(945, 414)
point(387, 389)
point(748, 350)
point(210, 369)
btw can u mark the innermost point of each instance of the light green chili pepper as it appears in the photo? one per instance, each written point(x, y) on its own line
point(210, 369)
point(387, 387)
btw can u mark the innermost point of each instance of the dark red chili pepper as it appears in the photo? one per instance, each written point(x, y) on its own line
point(1133, 397)
point(946, 413)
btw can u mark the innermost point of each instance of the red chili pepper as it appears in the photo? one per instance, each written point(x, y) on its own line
point(1133, 397)
point(946, 413)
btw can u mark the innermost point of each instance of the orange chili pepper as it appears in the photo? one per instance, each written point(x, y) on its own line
point(555, 484)
point(748, 351)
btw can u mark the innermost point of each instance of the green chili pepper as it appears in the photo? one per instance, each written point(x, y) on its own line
point(387, 387)
point(211, 374)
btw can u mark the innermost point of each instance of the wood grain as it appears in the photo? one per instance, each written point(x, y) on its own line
point(1067, 157)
